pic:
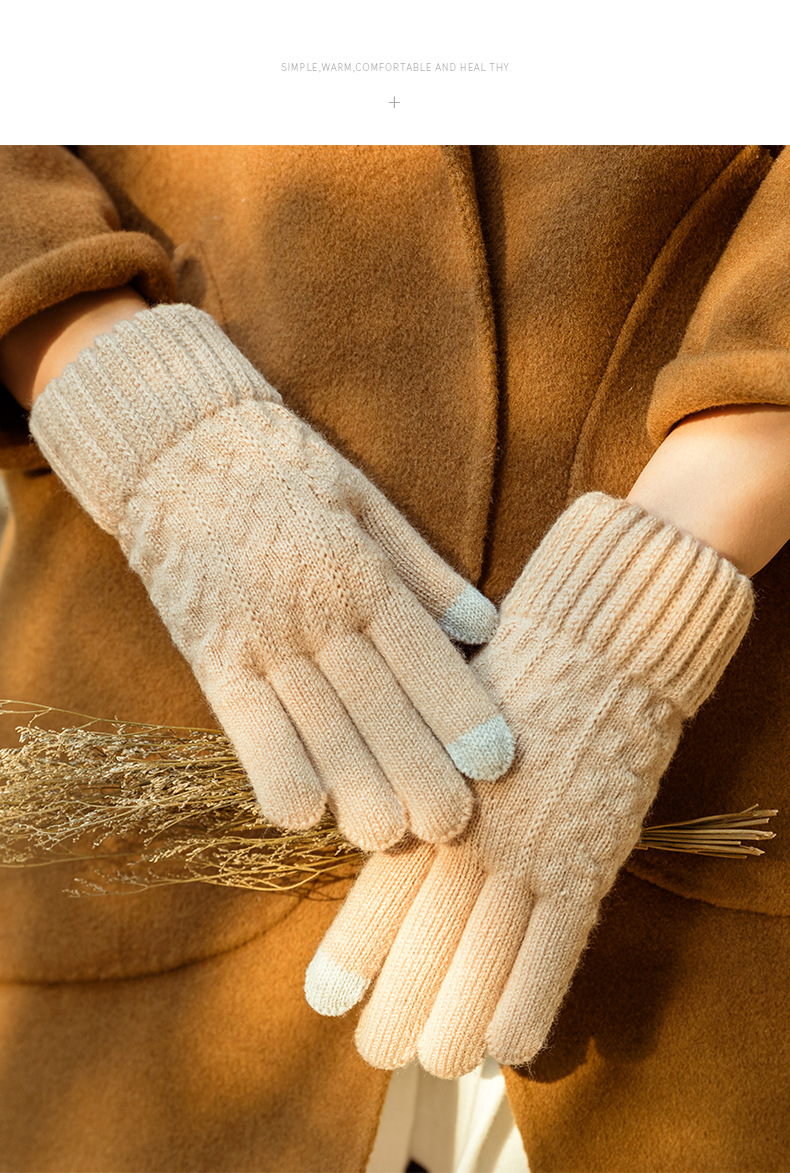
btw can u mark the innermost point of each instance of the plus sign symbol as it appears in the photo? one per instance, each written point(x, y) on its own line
point(394, 102)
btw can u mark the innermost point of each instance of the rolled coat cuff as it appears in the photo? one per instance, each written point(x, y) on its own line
point(104, 261)
point(698, 382)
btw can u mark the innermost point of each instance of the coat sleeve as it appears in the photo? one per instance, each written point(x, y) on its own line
point(737, 345)
point(60, 235)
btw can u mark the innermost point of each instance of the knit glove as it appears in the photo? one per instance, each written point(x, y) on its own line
point(313, 615)
point(616, 631)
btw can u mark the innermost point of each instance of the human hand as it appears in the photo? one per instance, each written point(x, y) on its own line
point(616, 631)
point(313, 615)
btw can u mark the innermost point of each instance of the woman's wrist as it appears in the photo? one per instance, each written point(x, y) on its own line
point(38, 349)
point(724, 477)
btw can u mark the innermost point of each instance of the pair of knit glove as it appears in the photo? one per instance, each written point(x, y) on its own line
point(317, 623)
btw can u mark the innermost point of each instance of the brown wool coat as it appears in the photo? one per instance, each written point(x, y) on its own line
point(488, 333)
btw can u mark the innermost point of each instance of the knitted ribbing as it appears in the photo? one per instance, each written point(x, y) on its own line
point(627, 586)
point(307, 606)
point(616, 631)
point(138, 390)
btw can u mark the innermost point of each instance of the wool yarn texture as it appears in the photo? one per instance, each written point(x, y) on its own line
point(617, 630)
point(314, 616)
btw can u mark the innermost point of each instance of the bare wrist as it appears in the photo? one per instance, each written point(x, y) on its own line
point(38, 349)
point(724, 477)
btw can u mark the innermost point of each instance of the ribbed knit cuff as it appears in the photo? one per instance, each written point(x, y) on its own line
point(133, 394)
point(647, 598)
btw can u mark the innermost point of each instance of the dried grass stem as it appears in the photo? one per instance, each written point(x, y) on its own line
point(135, 805)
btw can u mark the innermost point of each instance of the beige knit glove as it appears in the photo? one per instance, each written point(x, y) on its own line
point(616, 631)
point(311, 612)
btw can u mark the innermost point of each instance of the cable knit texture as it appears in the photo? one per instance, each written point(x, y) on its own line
point(616, 631)
point(307, 606)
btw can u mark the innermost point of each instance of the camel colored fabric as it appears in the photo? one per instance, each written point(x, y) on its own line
point(58, 237)
point(177, 447)
point(617, 630)
point(480, 332)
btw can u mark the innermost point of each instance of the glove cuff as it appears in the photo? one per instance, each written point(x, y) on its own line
point(134, 393)
point(631, 588)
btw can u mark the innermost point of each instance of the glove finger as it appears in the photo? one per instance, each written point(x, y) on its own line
point(392, 1021)
point(453, 1041)
point(436, 799)
point(364, 804)
point(461, 611)
point(361, 935)
point(554, 941)
point(443, 688)
point(269, 748)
